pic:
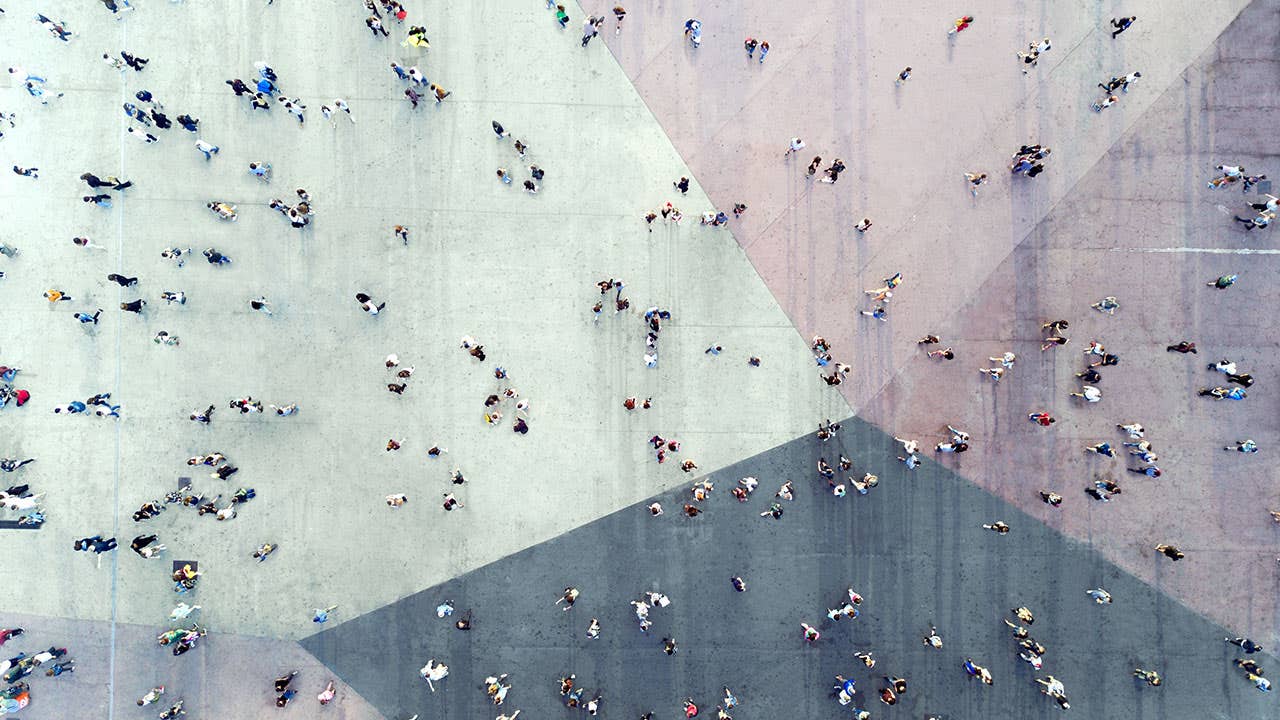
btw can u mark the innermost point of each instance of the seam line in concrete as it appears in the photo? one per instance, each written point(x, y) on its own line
point(115, 529)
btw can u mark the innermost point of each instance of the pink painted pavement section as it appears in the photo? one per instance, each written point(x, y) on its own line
point(829, 80)
point(1147, 193)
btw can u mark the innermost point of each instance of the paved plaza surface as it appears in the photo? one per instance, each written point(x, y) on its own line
point(1121, 210)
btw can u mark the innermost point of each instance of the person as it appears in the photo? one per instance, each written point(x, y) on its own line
point(1170, 552)
point(1261, 220)
point(1248, 646)
point(366, 304)
point(833, 175)
point(1107, 305)
point(224, 210)
point(1151, 677)
point(975, 670)
point(1121, 24)
point(327, 695)
point(693, 31)
point(1105, 103)
point(1244, 446)
point(961, 24)
point(1089, 393)
point(144, 547)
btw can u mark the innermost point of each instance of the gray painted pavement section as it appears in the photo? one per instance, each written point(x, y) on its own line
point(516, 271)
point(913, 547)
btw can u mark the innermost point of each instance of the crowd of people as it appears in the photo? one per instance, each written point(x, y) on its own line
point(836, 478)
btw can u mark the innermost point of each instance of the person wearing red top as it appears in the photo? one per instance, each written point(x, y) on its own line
point(961, 24)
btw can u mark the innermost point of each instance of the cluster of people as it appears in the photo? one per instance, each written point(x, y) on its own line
point(1264, 212)
point(1029, 160)
point(1241, 380)
point(299, 215)
point(1108, 88)
point(572, 695)
point(653, 317)
point(149, 113)
point(14, 670)
point(266, 88)
point(20, 499)
point(181, 639)
point(414, 76)
point(101, 404)
point(619, 303)
point(1031, 56)
point(822, 356)
point(536, 174)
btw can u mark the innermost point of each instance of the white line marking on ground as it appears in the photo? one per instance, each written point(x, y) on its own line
point(1208, 251)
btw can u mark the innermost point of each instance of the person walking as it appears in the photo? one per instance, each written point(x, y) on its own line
point(208, 149)
point(1244, 446)
point(960, 25)
point(1121, 24)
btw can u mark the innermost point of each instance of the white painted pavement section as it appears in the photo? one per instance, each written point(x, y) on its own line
point(514, 270)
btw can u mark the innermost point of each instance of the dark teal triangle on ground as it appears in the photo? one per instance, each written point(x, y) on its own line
point(913, 547)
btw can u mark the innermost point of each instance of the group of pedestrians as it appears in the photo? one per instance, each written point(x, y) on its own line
point(838, 474)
